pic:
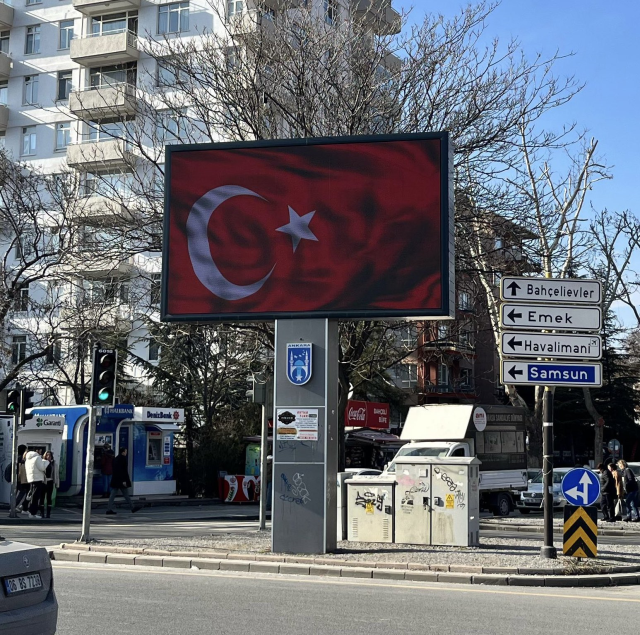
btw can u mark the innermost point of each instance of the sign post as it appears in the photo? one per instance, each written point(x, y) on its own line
point(581, 489)
point(545, 309)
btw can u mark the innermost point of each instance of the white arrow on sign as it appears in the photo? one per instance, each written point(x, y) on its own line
point(551, 290)
point(550, 345)
point(583, 493)
point(554, 317)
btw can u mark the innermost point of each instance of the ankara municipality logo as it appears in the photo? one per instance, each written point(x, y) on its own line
point(299, 363)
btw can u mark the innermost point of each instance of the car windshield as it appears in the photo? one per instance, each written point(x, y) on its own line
point(557, 477)
point(439, 452)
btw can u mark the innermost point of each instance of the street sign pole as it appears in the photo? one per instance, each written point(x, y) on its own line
point(264, 481)
point(547, 550)
point(88, 479)
point(14, 467)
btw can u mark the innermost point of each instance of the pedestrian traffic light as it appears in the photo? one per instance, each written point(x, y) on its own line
point(103, 381)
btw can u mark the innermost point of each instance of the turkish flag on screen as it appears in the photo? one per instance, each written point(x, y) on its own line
point(333, 228)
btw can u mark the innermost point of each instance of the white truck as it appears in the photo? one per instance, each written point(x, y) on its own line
point(496, 435)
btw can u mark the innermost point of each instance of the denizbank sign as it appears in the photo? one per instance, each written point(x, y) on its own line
point(159, 415)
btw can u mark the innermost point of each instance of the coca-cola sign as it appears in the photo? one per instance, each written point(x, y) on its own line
point(367, 414)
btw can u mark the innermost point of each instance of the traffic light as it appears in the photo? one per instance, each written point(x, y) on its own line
point(26, 402)
point(103, 381)
point(13, 401)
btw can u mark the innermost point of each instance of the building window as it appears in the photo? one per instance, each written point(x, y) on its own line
point(54, 353)
point(464, 301)
point(268, 13)
point(4, 41)
point(466, 379)
point(443, 332)
point(173, 18)
point(113, 75)
point(32, 43)
point(30, 92)
point(115, 23)
point(443, 375)
point(3, 139)
point(18, 348)
point(155, 288)
point(65, 79)
point(24, 246)
point(405, 375)
point(63, 135)
point(154, 351)
point(3, 92)
point(330, 11)
point(168, 75)
point(34, 2)
point(234, 8)
point(466, 337)
point(22, 300)
point(28, 141)
point(154, 448)
point(66, 34)
point(170, 126)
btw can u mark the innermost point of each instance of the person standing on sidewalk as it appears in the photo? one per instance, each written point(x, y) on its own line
point(617, 479)
point(52, 474)
point(35, 467)
point(120, 481)
point(107, 468)
point(608, 492)
point(631, 489)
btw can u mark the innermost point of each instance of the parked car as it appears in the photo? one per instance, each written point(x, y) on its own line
point(531, 500)
point(28, 604)
point(636, 468)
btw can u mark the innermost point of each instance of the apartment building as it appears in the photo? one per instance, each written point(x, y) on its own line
point(72, 76)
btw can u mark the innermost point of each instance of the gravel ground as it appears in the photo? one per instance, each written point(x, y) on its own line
point(558, 521)
point(492, 552)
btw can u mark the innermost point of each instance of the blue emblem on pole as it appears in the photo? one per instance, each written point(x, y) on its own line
point(580, 487)
point(299, 363)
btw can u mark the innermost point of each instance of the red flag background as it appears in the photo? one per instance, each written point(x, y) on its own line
point(378, 224)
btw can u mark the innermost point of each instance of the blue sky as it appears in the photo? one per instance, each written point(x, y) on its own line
point(604, 38)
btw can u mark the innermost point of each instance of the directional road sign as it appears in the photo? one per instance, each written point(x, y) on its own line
point(551, 374)
point(553, 318)
point(580, 535)
point(580, 487)
point(551, 290)
point(555, 345)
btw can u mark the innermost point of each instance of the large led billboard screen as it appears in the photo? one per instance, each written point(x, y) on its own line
point(351, 228)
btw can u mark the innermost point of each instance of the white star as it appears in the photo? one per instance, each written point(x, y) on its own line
point(298, 227)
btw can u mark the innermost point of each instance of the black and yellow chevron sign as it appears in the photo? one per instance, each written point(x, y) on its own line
point(580, 532)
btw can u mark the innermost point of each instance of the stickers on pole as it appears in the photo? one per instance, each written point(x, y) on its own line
point(580, 535)
point(297, 424)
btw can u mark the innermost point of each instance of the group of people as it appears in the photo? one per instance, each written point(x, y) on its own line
point(619, 492)
point(38, 477)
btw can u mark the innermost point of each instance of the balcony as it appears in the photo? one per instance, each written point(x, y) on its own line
point(108, 100)
point(250, 25)
point(100, 50)
point(101, 156)
point(377, 15)
point(98, 7)
point(452, 345)
point(5, 66)
point(6, 15)
point(4, 117)
point(101, 208)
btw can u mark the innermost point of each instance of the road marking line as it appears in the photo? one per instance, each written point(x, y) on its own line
point(350, 582)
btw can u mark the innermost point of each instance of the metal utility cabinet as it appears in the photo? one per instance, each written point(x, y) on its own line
point(437, 501)
point(370, 503)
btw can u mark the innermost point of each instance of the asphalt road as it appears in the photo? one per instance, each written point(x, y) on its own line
point(105, 600)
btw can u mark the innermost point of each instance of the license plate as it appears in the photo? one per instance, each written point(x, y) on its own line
point(22, 583)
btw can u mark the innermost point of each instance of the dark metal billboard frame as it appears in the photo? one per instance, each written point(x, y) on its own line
point(447, 265)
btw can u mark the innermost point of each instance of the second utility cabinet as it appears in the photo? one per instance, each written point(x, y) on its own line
point(437, 501)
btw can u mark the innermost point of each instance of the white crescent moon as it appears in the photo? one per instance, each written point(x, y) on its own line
point(200, 252)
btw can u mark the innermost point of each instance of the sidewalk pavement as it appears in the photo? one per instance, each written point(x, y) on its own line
point(299, 565)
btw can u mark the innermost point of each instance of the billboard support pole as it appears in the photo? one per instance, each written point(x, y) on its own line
point(305, 437)
point(264, 481)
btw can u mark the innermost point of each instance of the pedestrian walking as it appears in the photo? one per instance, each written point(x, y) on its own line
point(617, 479)
point(120, 482)
point(23, 483)
point(631, 488)
point(36, 467)
point(52, 475)
point(107, 468)
point(607, 494)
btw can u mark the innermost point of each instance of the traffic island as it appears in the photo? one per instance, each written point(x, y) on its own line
point(571, 574)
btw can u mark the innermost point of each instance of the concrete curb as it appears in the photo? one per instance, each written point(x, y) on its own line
point(458, 574)
point(535, 529)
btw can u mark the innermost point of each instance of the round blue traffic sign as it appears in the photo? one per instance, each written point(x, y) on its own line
point(581, 487)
